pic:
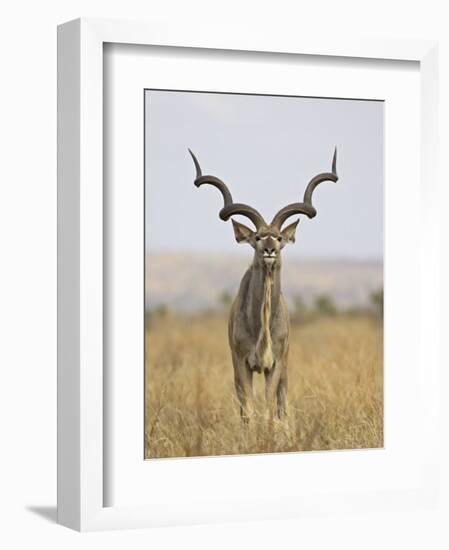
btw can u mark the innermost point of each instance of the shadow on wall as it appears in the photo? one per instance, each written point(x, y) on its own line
point(49, 513)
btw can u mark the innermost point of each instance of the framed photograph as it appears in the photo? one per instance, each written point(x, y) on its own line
point(244, 229)
point(206, 311)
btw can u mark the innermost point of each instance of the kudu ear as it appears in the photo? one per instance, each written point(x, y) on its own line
point(242, 233)
point(290, 231)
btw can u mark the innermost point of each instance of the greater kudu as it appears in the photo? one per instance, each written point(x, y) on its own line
point(259, 321)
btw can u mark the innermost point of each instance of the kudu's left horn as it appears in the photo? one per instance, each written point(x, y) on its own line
point(306, 207)
point(229, 208)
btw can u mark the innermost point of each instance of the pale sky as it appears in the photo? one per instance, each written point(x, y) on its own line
point(266, 149)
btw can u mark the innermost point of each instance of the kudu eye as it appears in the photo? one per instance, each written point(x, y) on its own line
point(257, 238)
point(279, 239)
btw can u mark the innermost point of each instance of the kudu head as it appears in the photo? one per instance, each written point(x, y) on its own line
point(268, 239)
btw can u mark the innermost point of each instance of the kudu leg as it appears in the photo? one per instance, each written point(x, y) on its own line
point(271, 383)
point(276, 391)
point(243, 379)
point(281, 394)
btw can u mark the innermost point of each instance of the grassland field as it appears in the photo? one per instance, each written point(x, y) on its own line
point(335, 391)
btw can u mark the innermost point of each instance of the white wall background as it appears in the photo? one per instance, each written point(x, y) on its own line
point(28, 269)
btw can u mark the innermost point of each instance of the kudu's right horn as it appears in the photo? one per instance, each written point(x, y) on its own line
point(230, 208)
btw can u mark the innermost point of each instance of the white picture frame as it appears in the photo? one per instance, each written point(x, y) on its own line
point(82, 491)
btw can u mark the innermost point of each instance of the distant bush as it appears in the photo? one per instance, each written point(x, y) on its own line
point(158, 312)
point(225, 299)
point(300, 311)
point(325, 305)
point(377, 301)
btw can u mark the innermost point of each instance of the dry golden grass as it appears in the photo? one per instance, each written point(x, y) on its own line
point(335, 395)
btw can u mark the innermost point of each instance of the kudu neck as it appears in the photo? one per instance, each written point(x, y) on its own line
point(263, 270)
point(261, 276)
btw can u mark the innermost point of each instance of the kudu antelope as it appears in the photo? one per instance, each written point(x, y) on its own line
point(259, 321)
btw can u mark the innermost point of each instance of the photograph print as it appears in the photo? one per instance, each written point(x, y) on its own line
point(263, 274)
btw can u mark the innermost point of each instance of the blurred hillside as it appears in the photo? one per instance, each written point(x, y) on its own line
point(192, 282)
